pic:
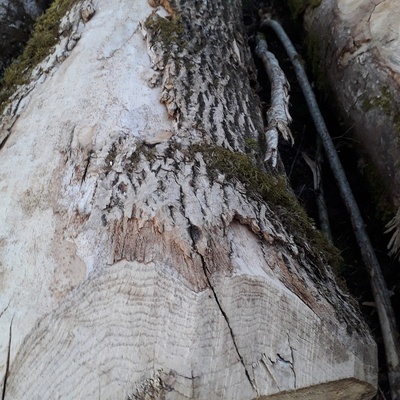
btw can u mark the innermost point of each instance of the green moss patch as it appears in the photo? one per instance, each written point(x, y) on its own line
point(275, 192)
point(168, 31)
point(44, 37)
point(383, 101)
point(252, 145)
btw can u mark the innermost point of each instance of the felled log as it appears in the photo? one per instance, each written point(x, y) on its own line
point(139, 259)
point(378, 285)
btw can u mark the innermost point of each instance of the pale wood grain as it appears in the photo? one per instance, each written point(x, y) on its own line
point(177, 284)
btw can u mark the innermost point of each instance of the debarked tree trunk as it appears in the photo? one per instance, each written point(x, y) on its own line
point(143, 253)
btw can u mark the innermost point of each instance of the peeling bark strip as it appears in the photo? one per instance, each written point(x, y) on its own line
point(278, 114)
point(162, 276)
point(379, 289)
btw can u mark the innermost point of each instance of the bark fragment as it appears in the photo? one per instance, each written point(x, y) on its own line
point(278, 116)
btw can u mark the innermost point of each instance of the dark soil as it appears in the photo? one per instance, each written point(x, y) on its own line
point(301, 178)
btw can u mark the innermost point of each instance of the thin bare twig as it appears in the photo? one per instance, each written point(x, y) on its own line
point(297, 153)
point(319, 194)
point(381, 393)
point(321, 203)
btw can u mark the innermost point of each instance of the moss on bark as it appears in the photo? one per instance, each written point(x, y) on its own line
point(45, 35)
point(274, 190)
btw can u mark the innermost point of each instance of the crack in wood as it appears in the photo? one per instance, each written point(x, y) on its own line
point(194, 235)
point(5, 309)
point(292, 363)
point(7, 363)
point(252, 383)
point(86, 167)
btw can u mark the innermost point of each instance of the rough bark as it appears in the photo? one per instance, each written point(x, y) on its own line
point(356, 45)
point(134, 270)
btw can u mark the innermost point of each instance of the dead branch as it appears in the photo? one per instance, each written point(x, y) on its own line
point(378, 285)
point(278, 116)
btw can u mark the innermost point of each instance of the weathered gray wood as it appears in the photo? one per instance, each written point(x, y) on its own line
point(129, 269)
point(357, 45)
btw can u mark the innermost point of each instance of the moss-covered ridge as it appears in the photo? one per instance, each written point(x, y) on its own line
point(274, 190)
point(169, 30)
point(45, 35)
